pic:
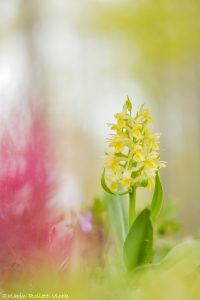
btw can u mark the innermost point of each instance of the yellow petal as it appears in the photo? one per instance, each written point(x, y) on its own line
point(138, 156)
point(121, 123)
point(150, 164)
point(113, 186)
point(151, 183)
point(126, 182)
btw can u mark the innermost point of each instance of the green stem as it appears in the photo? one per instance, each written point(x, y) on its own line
point(132, 197)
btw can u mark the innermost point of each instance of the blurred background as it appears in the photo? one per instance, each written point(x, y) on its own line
point(79, 60)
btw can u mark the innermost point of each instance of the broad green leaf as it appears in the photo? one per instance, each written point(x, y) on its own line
point(156, 203)
point(118, 219)
point(106, 188)
point(139, 242)
point(184, 258)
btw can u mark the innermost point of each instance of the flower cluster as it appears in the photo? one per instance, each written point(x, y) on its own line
point(133, 157)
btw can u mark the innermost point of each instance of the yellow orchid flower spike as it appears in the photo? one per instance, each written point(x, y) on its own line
point(133, 157)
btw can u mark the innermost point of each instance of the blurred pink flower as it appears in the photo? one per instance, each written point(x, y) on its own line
point(86, 222)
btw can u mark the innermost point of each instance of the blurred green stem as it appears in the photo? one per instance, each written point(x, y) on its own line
point(132, 197)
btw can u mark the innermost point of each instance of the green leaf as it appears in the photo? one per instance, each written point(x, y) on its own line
point(129, 104)
point(118, 219)
point(106, 188)
point(184, 258)
point(156, 203)
point(138, 246)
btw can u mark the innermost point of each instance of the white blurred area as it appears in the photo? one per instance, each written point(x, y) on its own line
point(46, 58)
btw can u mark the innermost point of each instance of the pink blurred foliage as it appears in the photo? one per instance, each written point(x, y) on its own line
point(30, 226)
